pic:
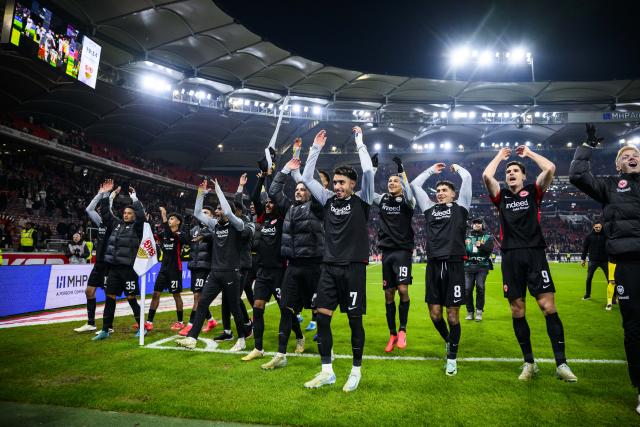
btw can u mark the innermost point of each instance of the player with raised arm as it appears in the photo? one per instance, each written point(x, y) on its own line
point(396, 241)
point(620, 198)
point(120, 255)
point(98, 277)
point(170, 275)
point(445, 227)
point(524, 262)
point(343, 273)
point(228, 232)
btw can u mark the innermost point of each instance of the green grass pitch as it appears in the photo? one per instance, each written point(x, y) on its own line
point(54, 365)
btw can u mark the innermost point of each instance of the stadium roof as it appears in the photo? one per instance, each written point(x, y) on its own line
point(201, 46)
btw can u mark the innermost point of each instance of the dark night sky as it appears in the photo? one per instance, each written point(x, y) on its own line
point(570, 40)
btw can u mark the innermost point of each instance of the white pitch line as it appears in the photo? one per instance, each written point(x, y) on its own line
point(158, 345)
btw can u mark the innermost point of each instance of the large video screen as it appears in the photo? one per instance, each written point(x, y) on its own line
point(58, 42)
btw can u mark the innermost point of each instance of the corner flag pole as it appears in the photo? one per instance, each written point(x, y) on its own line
point(147, 257)
point(143, 295)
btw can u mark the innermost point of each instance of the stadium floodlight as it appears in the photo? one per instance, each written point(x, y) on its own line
point(485, 58)
point(334, 148)
point(390, 146)
point(256, 103)
point(176, 92)
point(270, 106)
point(443, 114)
point(200, 94)
point(414, 146)
point(262, 104)
point(306, 109)
point(460, 56)
point(472, 114)
point(208, 96)
point(435, 115)
point(182, 91)
point(636, 140)
point(247, 102)
point(569, 144)
point(517, 56)
point(432, 145)
point(317, 110)
point(377, 146)
point(536, 114)
point(460, 147)
point(528, 143)
point(220, 146)
point(482, 145)
point(296, 108)
point(192, 92)
point(447, 145)
point(622, 141)
point(155, 84)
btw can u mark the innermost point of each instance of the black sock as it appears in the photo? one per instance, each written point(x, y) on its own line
point(192, 316)
point(390, 308)
point(226, 316)
point(91, 311)
point(245, 315)
point(357, 339)
point(523, 335)
point(555, 330)
point(295, 327)
point(135, 307)
point(258, 326)
point(441, 326)
point(403, 314)
point(180, 315)
point(284, 331)
point(151, 315)
point(453, 340)
point(208, 315)
point(325, 340)
point(109, 312)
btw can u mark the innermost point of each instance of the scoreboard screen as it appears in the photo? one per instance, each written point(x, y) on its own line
point(54, 41)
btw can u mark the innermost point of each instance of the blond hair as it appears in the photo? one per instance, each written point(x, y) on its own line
point(625, 148)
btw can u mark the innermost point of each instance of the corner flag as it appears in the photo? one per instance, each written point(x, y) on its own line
point(147, 257)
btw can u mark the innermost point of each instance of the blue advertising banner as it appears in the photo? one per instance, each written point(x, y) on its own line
point(25, 289)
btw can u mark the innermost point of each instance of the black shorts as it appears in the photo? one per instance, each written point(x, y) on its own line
point(98, 276)
point(299, 286)
point(198, 279)
point(445, 283)
point(268, 282)
point(345, 285)
point(627, 286)
point(169, 280)
point(396, 269)
point(122, 278)
point(525, 268)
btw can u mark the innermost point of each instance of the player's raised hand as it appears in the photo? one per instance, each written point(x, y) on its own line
point(504, 153)
point(297, 143)
point(454, 168)
point(293, 164)
point(243, 179)
point(320, 139)
point(203, 187)
point(438, 167)
point(357, 133)
point(523, 151)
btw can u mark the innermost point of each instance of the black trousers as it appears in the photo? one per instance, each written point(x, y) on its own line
point(477, 279)
point(627, 277)
point(227, 282)
point(591, 269)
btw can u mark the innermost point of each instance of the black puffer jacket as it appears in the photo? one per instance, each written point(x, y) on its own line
point(302, 230)
point(200, 250)
point(123, 243)
point(620, 198)
point(595, 246)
